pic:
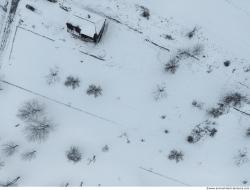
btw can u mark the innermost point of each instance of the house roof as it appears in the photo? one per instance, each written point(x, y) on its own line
point(88, 22)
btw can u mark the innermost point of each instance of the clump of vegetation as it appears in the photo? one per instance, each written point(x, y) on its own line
point(53, 76)
point(94, 90)
point(193, 52)
point(73, 82)
point(30, 155)
point(31, 110)
point(10, 148)
point(234, 99)
point(172, 65)
point(74, 154)
point(202, 130)
point(160, 92)
point(242, 157)
point(217, 111)
point(176, 155)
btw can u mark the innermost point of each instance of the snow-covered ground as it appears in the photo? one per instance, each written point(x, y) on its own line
point(139, 124)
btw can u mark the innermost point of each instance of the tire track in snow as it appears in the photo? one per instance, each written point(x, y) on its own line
point(7, 28)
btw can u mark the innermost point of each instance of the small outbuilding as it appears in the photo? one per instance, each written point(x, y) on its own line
point(87, 27)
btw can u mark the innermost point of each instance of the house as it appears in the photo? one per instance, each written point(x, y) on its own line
point(86, 26)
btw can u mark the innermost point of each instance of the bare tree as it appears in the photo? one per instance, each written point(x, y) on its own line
point(39, 130)
point(31, 110)
point(242, 157)
point(11, 183)
point(160, 92)
point(53, 76)
point(73, 82)
point(10, 148)
point(29, 155)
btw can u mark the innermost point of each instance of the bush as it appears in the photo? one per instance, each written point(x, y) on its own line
point(197, 104)
point(39, 130)
point(172, 65)
point(227, 63)
point(94, 90)
point(31, 110)
point(145, 12)
point(74, 154)
point(234, 99)
point(160, 92)
point(217, 111)
point(10, 148)
point(73, 82)
point(248, 132)
point(175, 155)
point(105, 148)
point(29, 155)
point(53, 76)
point(191, 33)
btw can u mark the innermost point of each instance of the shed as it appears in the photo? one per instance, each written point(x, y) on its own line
point(87, 27)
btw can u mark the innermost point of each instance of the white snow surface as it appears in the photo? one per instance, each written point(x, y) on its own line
point(127, 117)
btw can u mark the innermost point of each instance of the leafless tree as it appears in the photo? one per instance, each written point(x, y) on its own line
point(53, 76)
point(29, 155)
point(11, 183)
point(242, 157)
point(38, 130)
point(31, 110)
point(175, 155)
point(160, 92)
point(10, 148)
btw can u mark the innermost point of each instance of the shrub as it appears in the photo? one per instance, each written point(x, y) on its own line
point(217, 111)
point(242, 157)
point(197, 104)
point(39, 130)
point(105, 148)
point(227, 63)
point(74, 154)
point(248, 132)
point(94, 90)
point(31, 110)
point(29, 155)
point(172, 65)
point(197, 50)
point(145, 12)
point(73, 82)
point(10, 148)
point(234, 99)
point(191, 33)
point(160, 92)
point(175, 155)
point(53, 76)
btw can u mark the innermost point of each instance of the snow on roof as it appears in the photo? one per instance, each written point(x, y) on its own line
point(88, 22)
